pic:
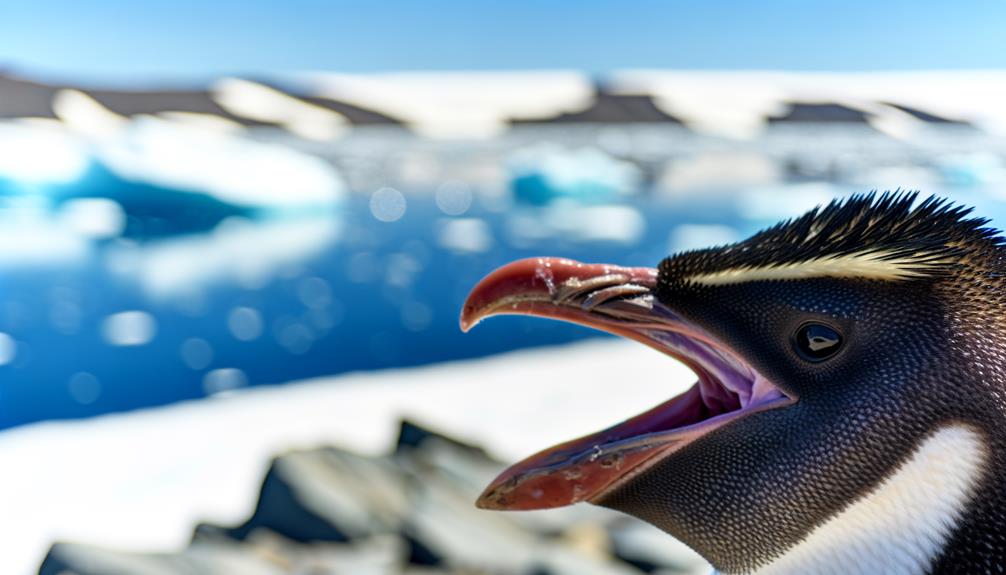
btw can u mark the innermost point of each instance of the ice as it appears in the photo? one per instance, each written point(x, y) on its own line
point(39, 154)
point(129, 328)
point(32, 238)
point(94, 218)
point(240, 251)
point(545, 172)
point(236, 170)
point(59, 198)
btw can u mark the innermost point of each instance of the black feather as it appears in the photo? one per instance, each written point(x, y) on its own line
point(934, 237)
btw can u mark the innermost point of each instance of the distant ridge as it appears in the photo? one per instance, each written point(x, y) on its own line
point(610, 108)
point(155, 102)
point(22, 98)
point(25, 99)
point(323, 106)
point(804, 112)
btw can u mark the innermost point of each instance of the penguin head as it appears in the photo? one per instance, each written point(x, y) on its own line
point(827, 348)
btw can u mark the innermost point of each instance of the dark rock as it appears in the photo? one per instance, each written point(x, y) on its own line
point(327, 495)
point(281, 511)
point(804, 112)
point(926, 116)
point(333, 511)
point(21, 98)
point(412, 435)
point(25, 99)
point(354, 114)
point(133, 103)
point(420, 554)
point(66, 558)
point(609, 108)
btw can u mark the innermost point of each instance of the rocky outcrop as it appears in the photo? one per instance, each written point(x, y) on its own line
point(824, 112)
point(610, 108)
point(331, 511)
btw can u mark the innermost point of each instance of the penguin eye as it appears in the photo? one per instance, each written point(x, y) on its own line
point(816, 342)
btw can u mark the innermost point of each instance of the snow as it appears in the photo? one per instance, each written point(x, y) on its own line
point(259, 102)
point(236, 170)
point(142, 480)
point(460, 104)
point(37, 153)
point(737, 103)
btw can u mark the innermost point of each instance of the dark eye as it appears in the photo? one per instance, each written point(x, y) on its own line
point(816, 341)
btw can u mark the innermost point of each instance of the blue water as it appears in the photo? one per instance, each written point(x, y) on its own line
point(362, 324)
point(378, 295)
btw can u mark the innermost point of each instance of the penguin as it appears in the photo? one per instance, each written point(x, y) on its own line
point(849, 413)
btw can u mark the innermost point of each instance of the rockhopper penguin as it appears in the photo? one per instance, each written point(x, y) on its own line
point(850, 409)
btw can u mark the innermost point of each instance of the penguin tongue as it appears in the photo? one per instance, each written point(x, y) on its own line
point(618, 300)
point(580, 469)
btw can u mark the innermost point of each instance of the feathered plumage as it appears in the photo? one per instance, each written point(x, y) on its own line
point(856, 237)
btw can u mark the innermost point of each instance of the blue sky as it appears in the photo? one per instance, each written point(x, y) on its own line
point(120, 40)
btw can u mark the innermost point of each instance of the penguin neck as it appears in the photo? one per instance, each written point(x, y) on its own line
point(905, 523)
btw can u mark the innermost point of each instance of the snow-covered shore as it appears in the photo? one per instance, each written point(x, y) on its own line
point(142, 480)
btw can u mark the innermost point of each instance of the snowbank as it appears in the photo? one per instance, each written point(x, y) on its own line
point(142, 480)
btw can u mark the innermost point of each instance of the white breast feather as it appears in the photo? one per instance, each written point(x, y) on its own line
point(900, 527)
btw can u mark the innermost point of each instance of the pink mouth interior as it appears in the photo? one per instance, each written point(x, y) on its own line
point(585, 468)
point(620, 301)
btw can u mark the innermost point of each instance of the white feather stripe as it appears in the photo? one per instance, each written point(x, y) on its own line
point(866, 265)
point(901, 526)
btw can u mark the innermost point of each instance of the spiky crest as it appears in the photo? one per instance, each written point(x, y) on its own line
point(886, 236)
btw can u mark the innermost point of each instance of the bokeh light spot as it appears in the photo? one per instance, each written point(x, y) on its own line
point(454, 198)
point(387, 204)
point(314, 293)
point(223, 380)
point(8, 349)
point(84, 388)
point(197, 353)
point(416, 316)
point(245, 323)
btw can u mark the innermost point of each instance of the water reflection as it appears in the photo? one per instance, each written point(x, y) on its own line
point(159, 263)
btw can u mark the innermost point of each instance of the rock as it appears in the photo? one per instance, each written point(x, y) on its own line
point(66, 558)
point(332, 511)
point(328, 495)
point(802, 112)
point(610, 108)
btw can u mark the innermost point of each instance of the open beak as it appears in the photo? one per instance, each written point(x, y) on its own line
point(618, 300)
